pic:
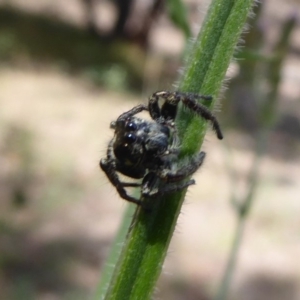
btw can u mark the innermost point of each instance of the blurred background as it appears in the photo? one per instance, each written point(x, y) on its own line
point(67, 68)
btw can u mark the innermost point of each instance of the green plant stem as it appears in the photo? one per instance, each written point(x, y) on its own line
point(147, 241)
point(268, 115)
point(268, 110)
point(243, 210)
point(232, 260)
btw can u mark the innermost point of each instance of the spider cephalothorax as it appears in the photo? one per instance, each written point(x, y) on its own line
point(149, 150)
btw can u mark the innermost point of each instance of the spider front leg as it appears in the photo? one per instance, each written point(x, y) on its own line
point(135, 110)
point(108, 165)
point(168, 110)
point(189, 100)
point(109, 169)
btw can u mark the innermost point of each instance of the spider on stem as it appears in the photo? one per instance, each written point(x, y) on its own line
point(149, 150)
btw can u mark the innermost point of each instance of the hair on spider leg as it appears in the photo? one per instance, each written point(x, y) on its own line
point(148, 150)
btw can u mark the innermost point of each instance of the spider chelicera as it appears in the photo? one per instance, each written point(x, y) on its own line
point(149, 150)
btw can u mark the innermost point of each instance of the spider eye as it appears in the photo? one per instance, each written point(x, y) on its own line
point(130, 138)
point(131, 126)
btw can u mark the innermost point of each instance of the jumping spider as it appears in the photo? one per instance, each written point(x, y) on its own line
point(149, 150)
